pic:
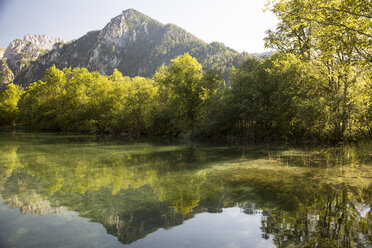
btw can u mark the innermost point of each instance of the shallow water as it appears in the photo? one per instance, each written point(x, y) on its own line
point(88, 191)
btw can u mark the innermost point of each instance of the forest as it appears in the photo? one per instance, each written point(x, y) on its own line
point(317, 86)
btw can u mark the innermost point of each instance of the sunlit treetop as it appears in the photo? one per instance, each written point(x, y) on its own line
point(323, 27)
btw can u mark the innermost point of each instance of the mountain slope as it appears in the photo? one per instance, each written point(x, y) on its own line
point(135, 44)
point(17, 57)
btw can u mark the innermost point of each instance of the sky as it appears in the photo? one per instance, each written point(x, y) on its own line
point(239, 24)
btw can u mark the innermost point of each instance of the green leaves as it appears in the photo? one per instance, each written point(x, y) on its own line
point(78, 100)
point(323, 26)
point(182, 91)
point(285, 96)
point(9, 98)
point(335, 39)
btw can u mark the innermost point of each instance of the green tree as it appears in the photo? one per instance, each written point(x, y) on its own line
point(9, 98)
point(181, 90)
point(316, 27)
point(336, 38)
point(41, 103)
point(217, 111)
point(79, 100)
point(138, 106)
point(277, 97)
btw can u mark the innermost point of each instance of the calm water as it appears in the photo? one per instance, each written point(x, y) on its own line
point(87, 191)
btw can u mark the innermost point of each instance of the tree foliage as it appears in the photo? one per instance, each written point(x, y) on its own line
point(77, 100)
point(323, 28)
point(335, 38)
point(182, 90)
point(283, 97)
point(9, 97)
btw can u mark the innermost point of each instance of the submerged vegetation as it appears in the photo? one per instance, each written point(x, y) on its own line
point(317, 86)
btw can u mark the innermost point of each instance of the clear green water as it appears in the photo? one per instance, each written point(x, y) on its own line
point(87, 191)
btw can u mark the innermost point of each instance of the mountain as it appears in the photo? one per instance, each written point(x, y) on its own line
point(133, 43)
point(6, 74)
point(17, 57)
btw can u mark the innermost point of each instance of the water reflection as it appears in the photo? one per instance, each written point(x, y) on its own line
point(302, 197)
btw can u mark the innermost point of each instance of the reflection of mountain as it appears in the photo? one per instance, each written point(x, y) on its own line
point(130, 214)
point(133, 225)
point(21, 191)
point(34, 205)
point(134, 189)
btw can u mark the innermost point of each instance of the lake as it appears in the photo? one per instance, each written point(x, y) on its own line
point(97, 191)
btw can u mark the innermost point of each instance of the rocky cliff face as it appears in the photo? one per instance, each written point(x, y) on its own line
point(133, 43)
point(42, 41)
point(6, 74)
point(17, 57)
point(20, 53)
point(2, 50)
point(125, 41)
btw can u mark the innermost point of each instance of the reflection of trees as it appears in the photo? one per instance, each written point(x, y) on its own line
point(8, 162)
point(132, 191)
point(301, 209)
point(335, 219)
point(350, 155)
point(311, 213)
point(181, 192)
point(135, 189)
point(90, 168)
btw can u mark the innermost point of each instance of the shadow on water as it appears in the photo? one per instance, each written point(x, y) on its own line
point(306, 196)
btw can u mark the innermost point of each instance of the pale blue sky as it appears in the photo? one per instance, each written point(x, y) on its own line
point(240, 24)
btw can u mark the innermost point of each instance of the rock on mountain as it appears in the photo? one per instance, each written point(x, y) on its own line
point(135, 44)
point(6, 74)
point(20, 53)
point(17, 57)
point(2, 50)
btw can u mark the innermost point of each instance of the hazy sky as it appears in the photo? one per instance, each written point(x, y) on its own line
point(240, 24)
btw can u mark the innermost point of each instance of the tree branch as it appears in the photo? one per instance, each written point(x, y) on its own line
point(332, 24)
point(345, 11)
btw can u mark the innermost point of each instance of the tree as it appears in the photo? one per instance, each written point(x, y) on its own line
point(336, 38)
point(322, 25)
point(41, 104)
point(138, 106)
point(217, 113)
point(9, 98)
point(274, 98)
point(79, 100)
point(182, 91)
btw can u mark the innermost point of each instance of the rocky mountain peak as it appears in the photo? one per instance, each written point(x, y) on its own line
point(32, 45)
point(42, 41)
point(124, 28)
point(134, 17)
point(130, 11)
point(20, 53)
